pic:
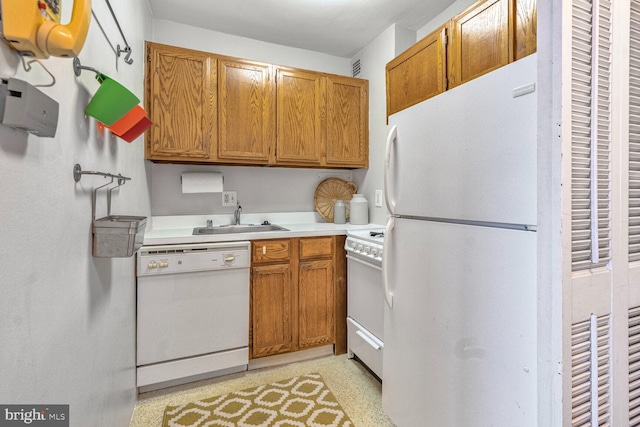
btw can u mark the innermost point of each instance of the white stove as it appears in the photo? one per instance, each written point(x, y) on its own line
point(365, 297)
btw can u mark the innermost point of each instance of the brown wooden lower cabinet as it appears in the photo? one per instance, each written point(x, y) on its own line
point(298, 295)
point(316, 316)
point(271, 310)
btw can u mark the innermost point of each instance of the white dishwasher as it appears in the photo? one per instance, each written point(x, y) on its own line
point(192, 311)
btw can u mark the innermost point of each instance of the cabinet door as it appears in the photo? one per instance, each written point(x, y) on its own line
point(481, 40)
point(300, 117)
point(246, 131)
point(316, 307)
point(272, 302)
point(181, 100)
point(348, 122)
point(417, 74)
point(526, 28)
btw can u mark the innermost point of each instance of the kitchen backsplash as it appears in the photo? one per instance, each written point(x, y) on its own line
point(259, 189)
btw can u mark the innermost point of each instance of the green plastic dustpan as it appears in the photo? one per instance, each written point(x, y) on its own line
point(111, 101)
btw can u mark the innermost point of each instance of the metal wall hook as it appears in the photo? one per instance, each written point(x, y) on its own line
point(127, 57)
point(127, 48)
point(94, 198)
point(77, 67)
point(120, 184)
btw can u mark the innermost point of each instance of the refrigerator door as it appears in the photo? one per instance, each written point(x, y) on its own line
point(470, 152)
point(460, 340)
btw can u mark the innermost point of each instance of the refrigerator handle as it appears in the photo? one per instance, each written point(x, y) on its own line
point(385, 261)
point(391, 205)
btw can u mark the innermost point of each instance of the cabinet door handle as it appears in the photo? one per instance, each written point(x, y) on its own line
point(264, 250)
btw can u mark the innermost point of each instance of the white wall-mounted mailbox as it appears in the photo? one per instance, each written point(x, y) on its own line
point(25, 107)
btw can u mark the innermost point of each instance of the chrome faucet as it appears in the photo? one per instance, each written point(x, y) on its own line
point(236, 215)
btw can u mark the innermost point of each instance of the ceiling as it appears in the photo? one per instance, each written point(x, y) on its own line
point(335, 27)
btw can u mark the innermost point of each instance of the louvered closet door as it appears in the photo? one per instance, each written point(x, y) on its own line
point(634, 214)
point(591, 139)
point(634, 133)
point(634, 367)
point(590, 373)
point(591, 212)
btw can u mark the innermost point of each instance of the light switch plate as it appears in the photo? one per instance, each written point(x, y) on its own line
point(229, 198)
point(378, 198)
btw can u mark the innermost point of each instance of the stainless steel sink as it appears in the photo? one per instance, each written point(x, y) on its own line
point(241, 228)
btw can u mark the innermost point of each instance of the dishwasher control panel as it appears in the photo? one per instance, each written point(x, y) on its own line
point(173, 259)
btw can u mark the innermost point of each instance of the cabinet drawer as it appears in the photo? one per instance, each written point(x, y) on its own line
point(316, 247)
point(266, 251)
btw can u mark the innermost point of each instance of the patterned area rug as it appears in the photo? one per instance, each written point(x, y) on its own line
point(303, 401)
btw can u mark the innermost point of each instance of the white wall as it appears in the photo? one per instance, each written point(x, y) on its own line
point(259, 189)
point(454, 9)
point(373, 58)
point(176, 34)
point(67, 320)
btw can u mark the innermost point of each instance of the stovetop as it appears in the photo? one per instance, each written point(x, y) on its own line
point(372, 235)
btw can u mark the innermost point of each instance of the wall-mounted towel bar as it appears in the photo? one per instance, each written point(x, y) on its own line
point(78, 172)
point(114, 236)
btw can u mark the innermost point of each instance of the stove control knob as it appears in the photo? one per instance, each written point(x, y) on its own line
point(367, 249)
point(359, 247)
point(374, 252)
point(352, 244)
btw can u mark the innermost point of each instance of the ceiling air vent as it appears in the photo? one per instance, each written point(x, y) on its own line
point(355, 67)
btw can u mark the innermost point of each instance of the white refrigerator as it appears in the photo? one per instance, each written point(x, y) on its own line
point(460, 256)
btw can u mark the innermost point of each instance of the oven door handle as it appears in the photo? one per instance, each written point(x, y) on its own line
point(358, 260)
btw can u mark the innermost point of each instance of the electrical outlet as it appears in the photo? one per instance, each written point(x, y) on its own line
point(229, 198)
point(378, 198)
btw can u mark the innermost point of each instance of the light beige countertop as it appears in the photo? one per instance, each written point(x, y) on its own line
point(166, 230)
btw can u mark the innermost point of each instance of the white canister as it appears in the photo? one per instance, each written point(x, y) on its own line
point(358, 210)
point(339, 212)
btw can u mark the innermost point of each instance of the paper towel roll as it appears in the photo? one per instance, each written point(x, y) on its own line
point(202, 182)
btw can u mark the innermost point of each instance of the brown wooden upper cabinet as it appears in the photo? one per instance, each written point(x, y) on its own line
point(486, 36)
point(209, 108)
point(481, 40)
point(301, 124)
point(181, 96)
point(348, 122)
point(245, 109)
point(418, 73)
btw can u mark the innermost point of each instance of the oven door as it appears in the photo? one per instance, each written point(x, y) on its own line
point(365, 296)
point(365, 309)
